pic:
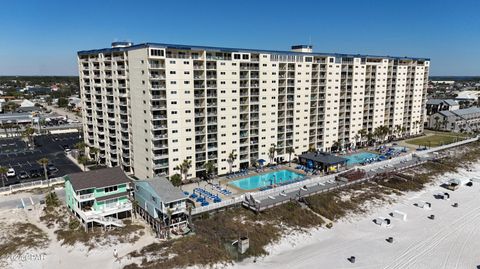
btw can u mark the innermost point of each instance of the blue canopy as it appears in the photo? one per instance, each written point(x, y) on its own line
point(261, 161)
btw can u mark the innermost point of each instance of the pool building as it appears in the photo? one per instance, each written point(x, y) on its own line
point(322, 161)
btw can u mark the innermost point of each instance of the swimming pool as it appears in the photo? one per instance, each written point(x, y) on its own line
point(359, 157)
point(258, 181)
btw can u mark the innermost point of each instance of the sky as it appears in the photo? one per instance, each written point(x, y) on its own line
point(42, 37)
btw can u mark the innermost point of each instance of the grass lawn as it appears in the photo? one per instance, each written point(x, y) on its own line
point(435, 140)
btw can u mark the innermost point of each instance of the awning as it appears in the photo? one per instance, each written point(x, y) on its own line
point(261, 161)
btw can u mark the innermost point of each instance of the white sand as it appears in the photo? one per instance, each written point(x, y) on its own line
point(451, 240)
point(72, 257)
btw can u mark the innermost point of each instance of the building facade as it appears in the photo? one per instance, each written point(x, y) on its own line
point(99, 196)
point(148, 107)
point(460, 120)
point(161, 204)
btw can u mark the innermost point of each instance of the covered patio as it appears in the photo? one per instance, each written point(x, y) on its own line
point(322, 161)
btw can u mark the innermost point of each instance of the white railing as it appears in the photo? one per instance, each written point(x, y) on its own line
point(30, 185)
point(86, 196)
point(214, 206)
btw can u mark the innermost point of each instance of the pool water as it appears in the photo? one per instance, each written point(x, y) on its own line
point(258, 181)
point(359, 157)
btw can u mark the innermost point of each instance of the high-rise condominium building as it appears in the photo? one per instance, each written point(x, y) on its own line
point(149, 107)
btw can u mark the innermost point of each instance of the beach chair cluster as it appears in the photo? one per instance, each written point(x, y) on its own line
point(202, 196)
point(221, 190)
point(240, 173)
point(305, 169)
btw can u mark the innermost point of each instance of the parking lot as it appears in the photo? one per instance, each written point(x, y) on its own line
point(15, 154)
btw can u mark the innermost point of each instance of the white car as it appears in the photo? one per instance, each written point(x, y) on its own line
point(11, 172)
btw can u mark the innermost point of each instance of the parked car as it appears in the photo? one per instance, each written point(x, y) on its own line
point(52, 168)
point(23, 175)
point(11, 172)
point(35, 173)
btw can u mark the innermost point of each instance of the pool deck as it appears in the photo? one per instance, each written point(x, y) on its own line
point(225, 181)
point(236, 192)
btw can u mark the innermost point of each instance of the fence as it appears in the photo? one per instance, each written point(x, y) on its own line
point(30, 185)
point(215, 206)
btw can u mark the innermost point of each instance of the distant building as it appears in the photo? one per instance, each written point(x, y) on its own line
point(435, 105)
point(155, 198)
point(99, 196)
point(17, 118)
point(467, 120)
point(2, 102)
point(27, 106)
point(445, 82)
point(75, 103)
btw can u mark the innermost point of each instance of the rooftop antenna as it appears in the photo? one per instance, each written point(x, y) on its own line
point(310, 40)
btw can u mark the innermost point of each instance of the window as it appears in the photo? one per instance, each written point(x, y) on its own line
point(110, 189)
point(154, 52)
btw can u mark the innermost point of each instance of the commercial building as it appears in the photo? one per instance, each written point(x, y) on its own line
point(150, 106)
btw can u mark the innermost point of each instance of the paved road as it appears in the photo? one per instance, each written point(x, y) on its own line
point(48, 146)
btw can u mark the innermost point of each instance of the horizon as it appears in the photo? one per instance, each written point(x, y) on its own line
point(47, 45)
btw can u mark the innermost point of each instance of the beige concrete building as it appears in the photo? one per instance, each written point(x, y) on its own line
point(150, 106)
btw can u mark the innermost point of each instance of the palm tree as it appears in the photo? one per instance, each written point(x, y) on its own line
point(357, 138)
point(445, 123)
point(81, 147)
point(189, 210)
point(209, 168)
point(44, 162)
point(169, 215)
point(176, 180)
point(5, 127)
point(271, 153)
point(95, 152)
point(135, 207)
point(253, 163)
point(3, 173)
point(184, 167)
point(362, 133)
point(370, 137)
point(312, 148)
point(290, 151)
point(437, 122)
point(231, 158)
point(83, 160)
point(335, 145)
point(28, 134)
point(398, 130)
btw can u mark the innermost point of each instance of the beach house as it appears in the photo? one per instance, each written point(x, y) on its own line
point(162, 205)
point(99, 196)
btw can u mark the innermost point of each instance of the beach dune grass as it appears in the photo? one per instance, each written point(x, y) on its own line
point(20, 237)
point(213, 235)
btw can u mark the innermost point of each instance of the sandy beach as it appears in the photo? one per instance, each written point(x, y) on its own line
point(451, 240)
